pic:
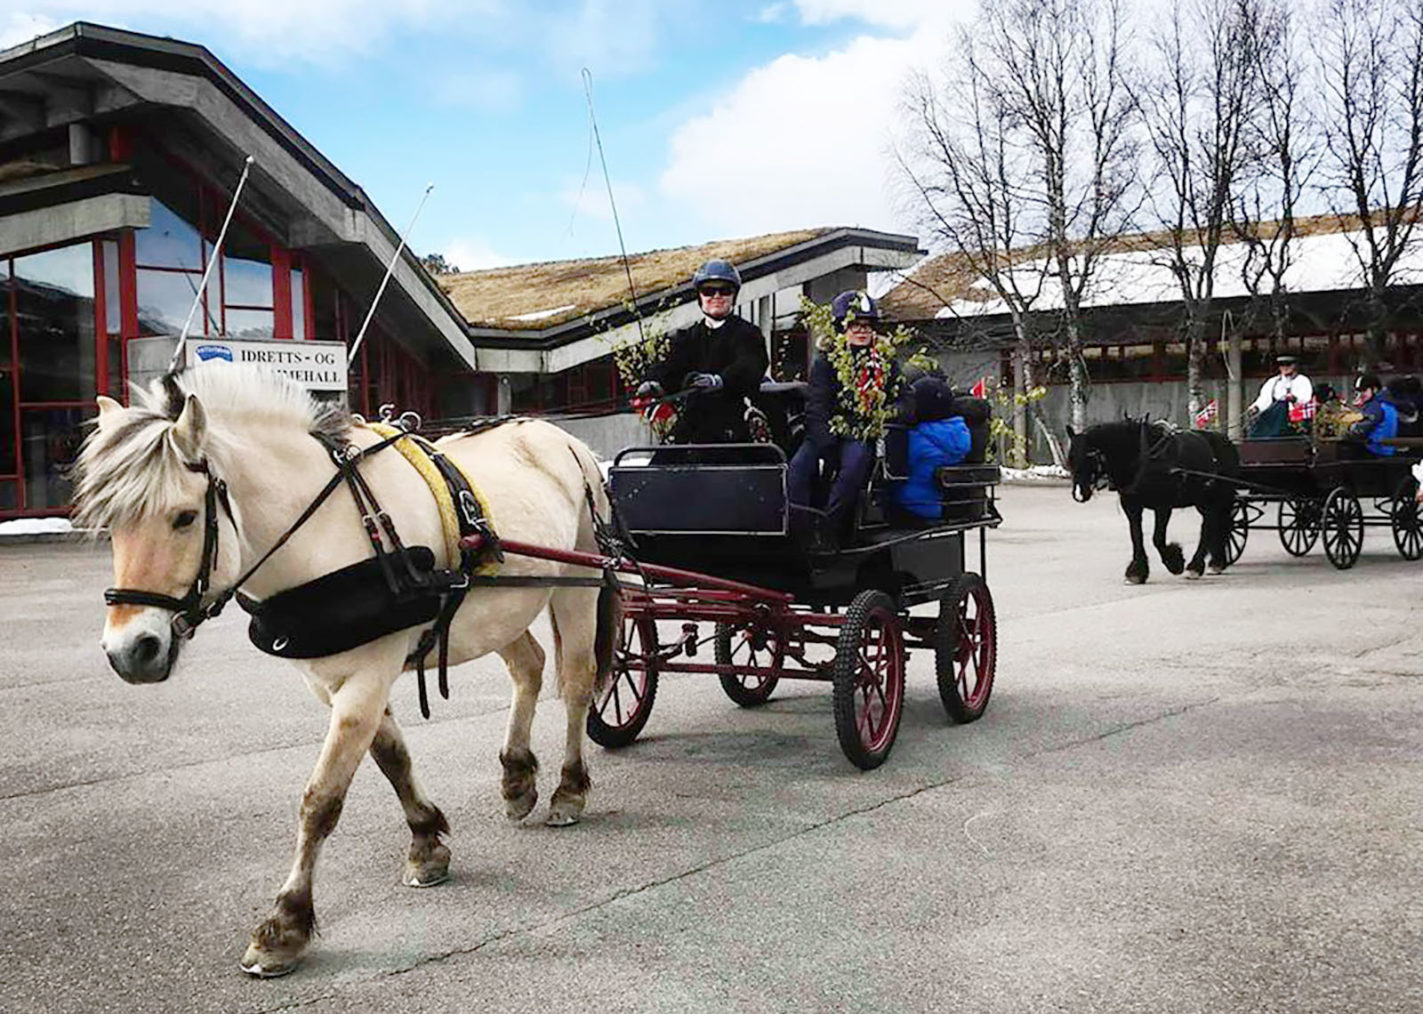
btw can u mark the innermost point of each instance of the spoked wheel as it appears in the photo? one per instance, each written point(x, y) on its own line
point(1342, 526)
point(752, 646)
point(869, 679)
point(1239, 533)
point(966, 648)
point(1299, 525)
point(623, 701)
point(1407, 525)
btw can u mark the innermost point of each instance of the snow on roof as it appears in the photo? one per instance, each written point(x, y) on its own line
point(1322, 262)
point(544, 314)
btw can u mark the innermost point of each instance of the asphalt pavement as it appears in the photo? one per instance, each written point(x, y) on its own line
point(1185, 796)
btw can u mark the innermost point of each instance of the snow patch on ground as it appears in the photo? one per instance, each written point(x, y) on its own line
point(1036, 473)
point(35, 526)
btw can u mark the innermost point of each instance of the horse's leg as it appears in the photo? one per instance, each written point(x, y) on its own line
point(1197, 566)
point(525, 658)
point(1170, 552)
point(1222, 508)
point(1139, 568)
point(428, 863)
point(357, 707)
point(574, 612)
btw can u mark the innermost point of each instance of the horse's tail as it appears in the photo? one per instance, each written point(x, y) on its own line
point(610, 599)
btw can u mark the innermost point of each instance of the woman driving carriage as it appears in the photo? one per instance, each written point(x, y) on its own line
point(852, 384)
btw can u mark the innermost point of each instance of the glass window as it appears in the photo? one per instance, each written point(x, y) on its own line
point(9, 495)
point(168, 242)
point(4, 312)
point(298, 306)
point(164, 299)
point(8, 465)
point(248, 323)
point(113, 310)
point(246, 268)
point(323, 308)
point(51, 439)
point(54, 294)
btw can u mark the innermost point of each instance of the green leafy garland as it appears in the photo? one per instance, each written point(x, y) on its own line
point(863, 414)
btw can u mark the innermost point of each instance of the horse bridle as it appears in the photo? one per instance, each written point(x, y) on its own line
point(189, 610)
point(1095, 464)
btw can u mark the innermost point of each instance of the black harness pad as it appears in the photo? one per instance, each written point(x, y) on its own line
point(341, 610)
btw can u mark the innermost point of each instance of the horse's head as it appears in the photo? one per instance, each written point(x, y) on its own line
point(144, 474)
point(1086, 463)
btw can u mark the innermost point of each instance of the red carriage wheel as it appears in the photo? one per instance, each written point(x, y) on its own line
point(753, 645)
point(966, 648)
point(623, 700)
point(869, 679)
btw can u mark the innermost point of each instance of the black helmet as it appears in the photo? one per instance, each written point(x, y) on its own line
point(717, 270)
point(1368, 380)
point(853, 304)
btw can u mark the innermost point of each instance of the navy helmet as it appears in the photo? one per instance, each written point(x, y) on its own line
point(853, 304)
point(717, 270)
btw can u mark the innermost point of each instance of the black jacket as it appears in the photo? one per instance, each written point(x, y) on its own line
point(736, 352)
point(822, 401)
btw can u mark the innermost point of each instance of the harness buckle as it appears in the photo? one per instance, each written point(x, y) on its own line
point(182, 627)
point(469, 507)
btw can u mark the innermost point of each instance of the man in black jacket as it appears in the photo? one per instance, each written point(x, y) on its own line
point(719, 360)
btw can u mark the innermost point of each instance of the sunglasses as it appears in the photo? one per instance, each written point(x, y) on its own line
point(716, 290)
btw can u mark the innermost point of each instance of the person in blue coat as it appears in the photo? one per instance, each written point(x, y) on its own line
point(932, 444)
point(1380, 420)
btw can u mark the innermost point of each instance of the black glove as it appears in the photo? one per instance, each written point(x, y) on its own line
point(648, 389)
point(704, 381)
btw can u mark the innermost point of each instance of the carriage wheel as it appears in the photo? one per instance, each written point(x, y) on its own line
point(1238, 533)
point(623, 701)
point(869, 679)
point(1299, 525)
point(1342, 526)
point(966, 648)
point(756, 646)
point(1407, 526)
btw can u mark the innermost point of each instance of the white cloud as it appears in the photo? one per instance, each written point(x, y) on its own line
point(771, 14)
point(592, 202)
point(801, 141)
point(19, 27)
point(910, 14)
point(278, 31)
point(470, 253)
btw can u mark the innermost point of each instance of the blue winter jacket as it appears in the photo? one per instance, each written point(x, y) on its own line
point(1384, 417)
point(931, 444)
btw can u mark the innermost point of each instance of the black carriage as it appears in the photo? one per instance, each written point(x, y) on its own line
point(1327, 492)
point(711, 534)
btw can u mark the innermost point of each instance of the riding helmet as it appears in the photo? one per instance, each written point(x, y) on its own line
point(717, 270)
point(853, 303)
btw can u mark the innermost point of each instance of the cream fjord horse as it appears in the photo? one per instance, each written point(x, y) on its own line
point(147, 474)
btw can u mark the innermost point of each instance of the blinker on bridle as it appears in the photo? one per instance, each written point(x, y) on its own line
point(189, 610)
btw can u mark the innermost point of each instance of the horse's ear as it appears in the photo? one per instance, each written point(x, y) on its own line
point(191, 425)
point(107, 406)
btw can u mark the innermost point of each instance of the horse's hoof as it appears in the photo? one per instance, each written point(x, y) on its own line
point(1134, 579)
point(427, 870)
point(426, 879)
point(1193, 575)
point(1213, 569)
point(521, 806)
point(562, 818)
point(265, 966)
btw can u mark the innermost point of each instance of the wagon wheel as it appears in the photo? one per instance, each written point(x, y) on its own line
point(1342, 526)
point(1238, 533)
point(1299, 525)
point(1407, 525)
point(868, 679)
point(623, 700)
point(753, 645)
point(966, 648)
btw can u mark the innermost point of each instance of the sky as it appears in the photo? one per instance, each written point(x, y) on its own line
point(717, 120)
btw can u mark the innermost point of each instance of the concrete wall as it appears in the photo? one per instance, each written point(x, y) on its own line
point(608, 434)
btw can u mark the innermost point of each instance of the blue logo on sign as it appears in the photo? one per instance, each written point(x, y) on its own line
point(207, 352)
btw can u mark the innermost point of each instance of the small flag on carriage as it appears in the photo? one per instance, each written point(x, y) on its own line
point(1206, 416)
point(1302, 410)
point(980, 389)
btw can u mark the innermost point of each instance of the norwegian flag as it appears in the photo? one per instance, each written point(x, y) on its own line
point(1302, 410)
point(1206, 416)
point(980, 389)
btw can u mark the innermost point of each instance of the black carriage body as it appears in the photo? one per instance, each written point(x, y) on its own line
point(723, 510)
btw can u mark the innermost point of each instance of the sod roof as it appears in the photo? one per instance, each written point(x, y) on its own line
point(533, 297)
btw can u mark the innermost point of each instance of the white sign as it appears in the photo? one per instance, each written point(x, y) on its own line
point(316, 366)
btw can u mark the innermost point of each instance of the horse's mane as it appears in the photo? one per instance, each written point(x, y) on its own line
point(133, 467)
point(1129, 425)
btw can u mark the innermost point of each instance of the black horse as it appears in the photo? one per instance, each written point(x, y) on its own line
point(1153, 465)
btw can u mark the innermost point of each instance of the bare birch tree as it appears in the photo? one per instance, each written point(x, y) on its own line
point(963, 167)
point(1058, 70)
point(1370, 60)
point(1195, 106)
